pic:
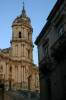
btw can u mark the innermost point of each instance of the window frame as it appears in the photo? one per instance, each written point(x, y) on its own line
point(20, 34)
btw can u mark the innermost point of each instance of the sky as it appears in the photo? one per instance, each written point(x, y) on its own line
point(36, 10)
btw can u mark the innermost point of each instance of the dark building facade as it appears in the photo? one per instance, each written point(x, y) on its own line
point(51, 44)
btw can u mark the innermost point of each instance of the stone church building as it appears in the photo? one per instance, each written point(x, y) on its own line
point(17, 69)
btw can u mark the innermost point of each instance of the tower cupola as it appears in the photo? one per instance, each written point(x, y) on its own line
point(23, 20)
point(23, 11)
point(22, 46)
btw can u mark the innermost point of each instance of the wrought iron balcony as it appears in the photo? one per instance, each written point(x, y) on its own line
point(58, 49)
point(45, 65)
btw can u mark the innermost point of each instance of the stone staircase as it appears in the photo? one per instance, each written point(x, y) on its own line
point(22, 95)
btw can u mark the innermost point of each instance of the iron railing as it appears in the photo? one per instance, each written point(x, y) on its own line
point(59, 43)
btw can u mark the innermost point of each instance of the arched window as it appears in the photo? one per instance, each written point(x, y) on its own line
point(19, 34)
point(10, 69)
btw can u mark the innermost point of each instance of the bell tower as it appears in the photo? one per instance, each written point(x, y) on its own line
point(21, 54)
point(21, 43)
point(17, 69)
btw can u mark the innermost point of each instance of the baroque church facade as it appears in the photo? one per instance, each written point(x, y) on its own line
point(17, 69)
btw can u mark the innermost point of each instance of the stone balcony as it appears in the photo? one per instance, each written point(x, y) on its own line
point(45, 65)
point(58, 48)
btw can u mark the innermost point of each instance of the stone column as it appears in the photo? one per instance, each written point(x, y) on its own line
point(22, 50)
point(22, 76)
point(16, 73)
point(32, 55)
point(6, 71)
point(24, 73)
point(7, 77)
point(35, 80)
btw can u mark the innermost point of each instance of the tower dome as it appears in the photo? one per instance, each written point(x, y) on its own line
point(23, 20)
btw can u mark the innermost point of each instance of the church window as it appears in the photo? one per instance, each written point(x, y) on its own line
point(19, 34)
point(10, 69)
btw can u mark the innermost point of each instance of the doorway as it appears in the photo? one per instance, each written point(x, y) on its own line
point(48, 89)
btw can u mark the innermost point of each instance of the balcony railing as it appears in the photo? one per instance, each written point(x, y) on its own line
point(45, 65)
point(58, 47)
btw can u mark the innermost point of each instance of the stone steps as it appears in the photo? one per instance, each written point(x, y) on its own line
point(19, 96)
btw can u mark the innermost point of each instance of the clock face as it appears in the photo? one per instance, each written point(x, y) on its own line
point(1, 68)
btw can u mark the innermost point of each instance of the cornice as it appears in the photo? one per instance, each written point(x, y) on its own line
point(21, 41)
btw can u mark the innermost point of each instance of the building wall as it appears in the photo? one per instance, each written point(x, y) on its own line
point(53, 71)
point(19, 74)
point(52, 32)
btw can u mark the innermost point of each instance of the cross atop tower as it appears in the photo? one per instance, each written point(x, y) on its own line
point(23, 11)
point(23, 5)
